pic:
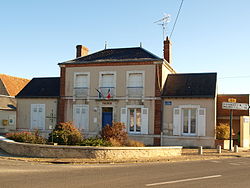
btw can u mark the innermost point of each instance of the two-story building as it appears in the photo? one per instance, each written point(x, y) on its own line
point(130, 85)
point(122, 84)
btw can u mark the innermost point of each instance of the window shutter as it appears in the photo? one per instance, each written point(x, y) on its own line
point(124, 116)
point(202, 122)
point(176, 121)
point(85, 116)
point(135, 80)
point(37, 116)
point(76, 112)
point(107, 80)
point(33, 114)
point(81, 80)
point(144, 121)
point(42, 116)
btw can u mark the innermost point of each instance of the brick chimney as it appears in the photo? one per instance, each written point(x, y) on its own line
point(81, 51)
point(167, 50)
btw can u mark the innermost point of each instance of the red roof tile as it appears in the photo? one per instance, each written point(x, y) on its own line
point(13, 84)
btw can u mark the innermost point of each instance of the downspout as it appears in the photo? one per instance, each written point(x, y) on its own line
point(162, 106)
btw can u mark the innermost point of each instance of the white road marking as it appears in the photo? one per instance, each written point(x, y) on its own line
point(183, 180)
point(216, 161)
point(234, 163)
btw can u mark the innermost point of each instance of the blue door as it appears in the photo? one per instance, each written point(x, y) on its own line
point(107, 116)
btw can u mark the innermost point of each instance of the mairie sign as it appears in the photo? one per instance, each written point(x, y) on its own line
point(235, 106)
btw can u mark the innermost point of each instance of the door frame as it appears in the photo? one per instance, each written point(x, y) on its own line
point(106, 106)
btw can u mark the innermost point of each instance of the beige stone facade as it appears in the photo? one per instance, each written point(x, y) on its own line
point(7, 120)
point(204, 133)
point(119, 100)
point(24, 108)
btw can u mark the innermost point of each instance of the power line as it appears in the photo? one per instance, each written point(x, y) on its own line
point(176, 18)
point(248, 76)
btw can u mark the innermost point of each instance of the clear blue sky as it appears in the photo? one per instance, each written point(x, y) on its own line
point(210, 36)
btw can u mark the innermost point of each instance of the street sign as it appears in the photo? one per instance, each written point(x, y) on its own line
point(235, 106)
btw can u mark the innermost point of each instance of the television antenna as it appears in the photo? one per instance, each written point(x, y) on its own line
point(163, 22)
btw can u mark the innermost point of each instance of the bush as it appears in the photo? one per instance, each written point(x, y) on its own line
point(116, 134)
point(27, 137)
point(95, 142)
point(223, 131)
point(134, 143)
point(66, 134)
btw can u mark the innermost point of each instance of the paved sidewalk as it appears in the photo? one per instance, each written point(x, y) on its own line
point(187, 155)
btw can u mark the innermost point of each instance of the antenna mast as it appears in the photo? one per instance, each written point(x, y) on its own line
point(163, 22)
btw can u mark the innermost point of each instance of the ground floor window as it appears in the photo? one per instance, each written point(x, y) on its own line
point(189, 120)
point(37, 116)
point(135, 120)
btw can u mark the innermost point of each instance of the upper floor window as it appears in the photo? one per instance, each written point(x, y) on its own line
point(135, 84)
point(107, 84)
point(81, 84)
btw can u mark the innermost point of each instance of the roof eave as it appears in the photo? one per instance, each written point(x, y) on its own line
point(37, 97)
point(109, 61)
point(190, 96)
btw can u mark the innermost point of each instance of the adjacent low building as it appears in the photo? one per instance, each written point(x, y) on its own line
point(240, 122)
point(9, 87)
point(37, 104)
point(189, 109)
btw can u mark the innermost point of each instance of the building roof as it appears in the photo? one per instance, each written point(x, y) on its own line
point(41, 87)
point(11, 85)
point(190, 85)
point(7, 103)
point(116, 55)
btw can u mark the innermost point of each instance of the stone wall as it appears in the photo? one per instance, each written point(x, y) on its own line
point(100, 153)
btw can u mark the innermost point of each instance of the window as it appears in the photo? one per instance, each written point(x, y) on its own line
point(38, 116)
point(135, 84)
point(135, 120)
point(81, 85)
point(107, 84)
point(81, 116)
point(189, 120)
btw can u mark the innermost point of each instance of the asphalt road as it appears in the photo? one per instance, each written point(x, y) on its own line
point(214, 173)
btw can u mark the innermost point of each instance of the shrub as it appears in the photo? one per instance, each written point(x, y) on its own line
point(114, 142)
point(116, 133)
point(66, 134)
point(222, 131)
point(95, 142)
point(27, 137)
point(134, 143)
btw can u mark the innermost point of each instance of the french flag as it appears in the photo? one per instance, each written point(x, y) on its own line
point(109, 94)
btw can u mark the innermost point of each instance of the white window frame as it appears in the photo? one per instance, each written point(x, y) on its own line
point(143, 81)
point(189, 106)
point(79, 73)
point(189, 122)
point(108, 72)
point(128, 119)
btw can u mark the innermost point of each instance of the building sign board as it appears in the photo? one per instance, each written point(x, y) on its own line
point(235, 106)
point(168, 103)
